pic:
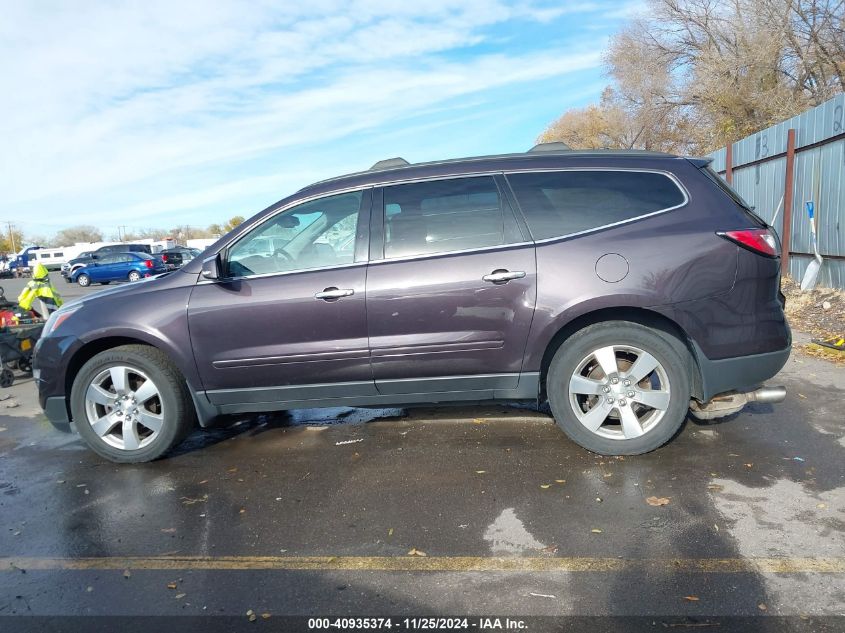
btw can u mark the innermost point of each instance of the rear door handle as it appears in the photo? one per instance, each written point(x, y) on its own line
point(332, 293)
point(501, 276)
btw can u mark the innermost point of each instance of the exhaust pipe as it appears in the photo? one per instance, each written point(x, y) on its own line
point(767, 394)
point(732, 402)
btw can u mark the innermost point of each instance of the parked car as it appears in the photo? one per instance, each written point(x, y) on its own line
point(118, 267)
point(86, 257)
point(177, 257)
point(622, 287)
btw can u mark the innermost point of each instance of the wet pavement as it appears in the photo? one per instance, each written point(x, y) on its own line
point(460, 510)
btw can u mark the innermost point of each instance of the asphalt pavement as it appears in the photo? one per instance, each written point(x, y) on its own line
point(473, 510)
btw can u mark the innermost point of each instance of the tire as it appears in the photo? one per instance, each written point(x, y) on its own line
point(134, 275)
point(83, 280)
point(595, 408)
point(165, 405)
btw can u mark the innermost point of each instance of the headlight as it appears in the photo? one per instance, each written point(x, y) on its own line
point(56, 319)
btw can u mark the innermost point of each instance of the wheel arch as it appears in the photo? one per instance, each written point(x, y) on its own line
point(205, 411)
point(670, 330)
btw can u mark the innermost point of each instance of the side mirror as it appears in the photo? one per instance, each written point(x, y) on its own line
point(212, 267)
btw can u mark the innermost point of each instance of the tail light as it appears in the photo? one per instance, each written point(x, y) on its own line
point(148, 263)
point(760, 241)
point(164, 258)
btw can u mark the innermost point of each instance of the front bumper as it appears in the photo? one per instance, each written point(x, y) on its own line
point(55, 408)
point(49, 366)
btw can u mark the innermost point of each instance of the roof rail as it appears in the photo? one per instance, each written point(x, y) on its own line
point(553, 146)
point(387, 163)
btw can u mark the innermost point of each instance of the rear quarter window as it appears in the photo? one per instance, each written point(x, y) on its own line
point(560, 203)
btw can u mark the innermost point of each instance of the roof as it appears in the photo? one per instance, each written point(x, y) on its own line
point(540, 156)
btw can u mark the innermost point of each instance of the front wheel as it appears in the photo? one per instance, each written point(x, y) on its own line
point(134, 275)
point(130, 404)
point(619, 388)
point(83, 280)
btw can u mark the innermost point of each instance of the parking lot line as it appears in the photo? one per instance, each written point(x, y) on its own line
point(432, 564)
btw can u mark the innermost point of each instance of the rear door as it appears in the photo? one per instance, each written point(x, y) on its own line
point(103, 269)
point(289, 320)
point(450, 288)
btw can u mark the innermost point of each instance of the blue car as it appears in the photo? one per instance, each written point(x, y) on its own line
point(118, 267)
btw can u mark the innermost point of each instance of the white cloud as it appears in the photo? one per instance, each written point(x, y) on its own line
point(103, 95)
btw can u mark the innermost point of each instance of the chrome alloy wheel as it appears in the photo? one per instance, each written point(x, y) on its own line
point(124, 407)
point(619, 392)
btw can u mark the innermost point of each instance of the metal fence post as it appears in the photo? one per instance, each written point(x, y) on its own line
point(729, 161)
point(786, 233)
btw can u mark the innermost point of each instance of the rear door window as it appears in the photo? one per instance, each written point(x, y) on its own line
point(564, 202)
point(442, 216)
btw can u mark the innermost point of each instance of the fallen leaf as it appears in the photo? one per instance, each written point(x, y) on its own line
point(716, 487)
point(762, 606)
point(749, 465)
point(390, 532)
point(415, 552)
point(479, 421)
point(657, 501)
point(821, 505)
point(171, 585)
point(168, 530)
point(560, 481)
point(242, 511)
point(265, 616)
point(204, 481)
point(251, 615)
point(801, 395)
point(480, 472)
point(691, 598)
point(188, 501)
point(126, 573)
point(179, 596)
point(232, 470)
point(60, 481)
point(595, 531)
point(598, 499)
point(544, 486)
point(541, 595)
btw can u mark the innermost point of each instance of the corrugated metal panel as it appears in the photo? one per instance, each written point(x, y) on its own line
point(718, 159)
point(831, 276)
point(762, 187)
point(819, 176)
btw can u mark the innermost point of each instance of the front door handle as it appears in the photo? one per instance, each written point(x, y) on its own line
point(501, 276)
point(332, 293)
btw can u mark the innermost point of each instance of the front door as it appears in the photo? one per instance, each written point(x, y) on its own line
point(288, 321)
point(450, 303)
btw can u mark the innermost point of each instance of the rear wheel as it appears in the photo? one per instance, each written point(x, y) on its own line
point(130, 404)
point(134, 275)
point(83, 280)
point(618, 388)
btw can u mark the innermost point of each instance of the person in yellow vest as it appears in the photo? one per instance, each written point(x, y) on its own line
point(39, 294)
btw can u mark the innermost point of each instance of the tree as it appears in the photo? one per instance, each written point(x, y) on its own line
point(81, 233)
point(232, 223)
point(691, 75)
point(11, 243)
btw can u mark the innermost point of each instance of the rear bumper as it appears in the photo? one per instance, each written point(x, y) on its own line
point(742, 373)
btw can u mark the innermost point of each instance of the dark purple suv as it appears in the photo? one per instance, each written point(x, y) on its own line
point(625, 288)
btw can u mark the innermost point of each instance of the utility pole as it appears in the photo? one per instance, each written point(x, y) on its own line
point(119, 235)
point(12, 238)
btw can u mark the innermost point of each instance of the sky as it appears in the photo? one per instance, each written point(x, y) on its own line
point(157, 113)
